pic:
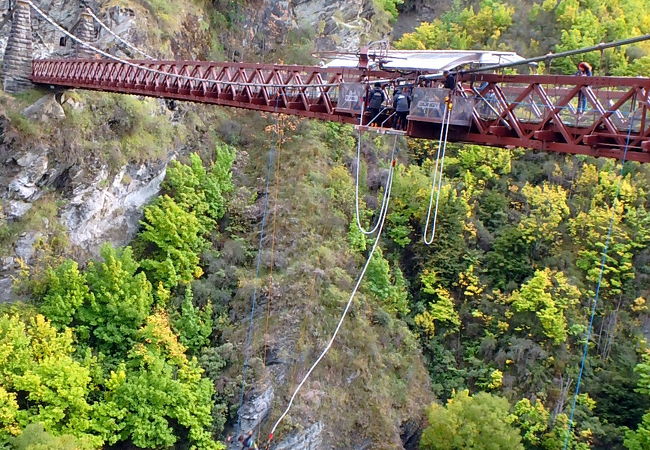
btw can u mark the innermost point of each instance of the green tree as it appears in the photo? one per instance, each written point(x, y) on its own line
point(640, 438)
point(65, 291)
point(390, 6)
point(194, 325)
point(532, 419)
point(174, 240)
point(199, 190)
point(547, 209)
point(548, 295)
point(480, 421)
point(630, 233)
point(408, 195)
point(440, 307)
point(461, 28)
point(36, 362)
point(120, 300)
point(509, 262)
point(34, 437)
point(389, 289)
point(155, 389)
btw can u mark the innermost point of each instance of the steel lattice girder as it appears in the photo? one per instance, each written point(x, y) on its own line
point(539, 112)
point(300, 90)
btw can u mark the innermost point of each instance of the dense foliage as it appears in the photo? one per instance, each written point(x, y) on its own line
point(109, 358)
point(521, 263)
point(127, 350)
point(535, 28)
point(480, 421)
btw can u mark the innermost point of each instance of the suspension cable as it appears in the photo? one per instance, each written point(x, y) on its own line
point(603, 259)
point(550, 56)
point(437, 176)
point(175, 75)
point(116, 36)
point(347, 306)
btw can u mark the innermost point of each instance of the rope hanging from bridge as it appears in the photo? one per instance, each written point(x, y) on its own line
point(279, 129)
point(258, 266)
point(271, 172)
point(116, 36)
point(594, 303)
point(384, 200)
point(382, 218)
point(436, 180)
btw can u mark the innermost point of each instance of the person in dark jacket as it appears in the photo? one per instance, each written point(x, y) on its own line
point(449, 80)
point(584, 70)
point(248, 441)
point(376, 98)
point(402, 106)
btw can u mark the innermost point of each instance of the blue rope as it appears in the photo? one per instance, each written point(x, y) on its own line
point(594, 304)
point(258, 266)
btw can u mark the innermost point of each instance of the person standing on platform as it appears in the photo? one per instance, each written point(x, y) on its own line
point(584, 70)
point(376, 98)
point(402, 106)
point(449, 80)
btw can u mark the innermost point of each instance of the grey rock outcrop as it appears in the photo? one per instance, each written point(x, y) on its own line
point(344, 23)
point(23, 174)
point(111, 214)
point(308, 439)
point(46, 108)
point(15, 209)
point(333, 24)
point(24, 247)
point(256, 408)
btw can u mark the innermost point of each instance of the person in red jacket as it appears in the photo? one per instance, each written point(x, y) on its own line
point(584, 70)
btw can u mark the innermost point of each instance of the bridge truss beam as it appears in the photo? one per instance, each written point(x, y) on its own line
point(597, 116)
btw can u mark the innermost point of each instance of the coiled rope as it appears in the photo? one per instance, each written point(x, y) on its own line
point(436, 180)
point(384, 200)
point(382, 219)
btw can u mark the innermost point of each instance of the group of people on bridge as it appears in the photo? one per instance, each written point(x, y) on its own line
point(401, 103)
point(379, 111)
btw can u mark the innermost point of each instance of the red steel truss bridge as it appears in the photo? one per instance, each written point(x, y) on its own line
point(597, 116)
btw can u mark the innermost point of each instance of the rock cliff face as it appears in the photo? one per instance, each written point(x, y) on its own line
point(330, 24)
point(94, 203)
point(97, 204)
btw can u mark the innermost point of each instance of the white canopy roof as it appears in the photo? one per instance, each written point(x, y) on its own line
point(432, 60)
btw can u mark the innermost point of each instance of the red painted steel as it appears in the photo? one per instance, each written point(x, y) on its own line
point(538, 112)
point(312, 93)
